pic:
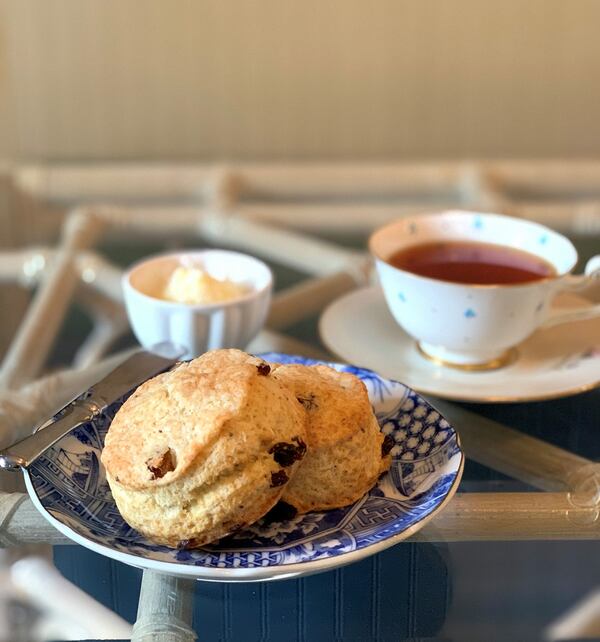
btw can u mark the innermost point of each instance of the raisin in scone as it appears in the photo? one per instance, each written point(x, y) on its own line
point(204, 450)
point(346, 449)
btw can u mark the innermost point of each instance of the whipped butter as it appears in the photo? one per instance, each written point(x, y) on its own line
point(194, 286)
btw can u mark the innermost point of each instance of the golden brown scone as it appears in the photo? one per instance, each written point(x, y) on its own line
point(346, 450)
point(203, 450)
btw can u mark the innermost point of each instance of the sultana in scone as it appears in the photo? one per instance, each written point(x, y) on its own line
point(206, 449)
point(346, 449)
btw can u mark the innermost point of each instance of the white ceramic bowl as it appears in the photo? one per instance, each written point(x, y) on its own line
point(228, 324)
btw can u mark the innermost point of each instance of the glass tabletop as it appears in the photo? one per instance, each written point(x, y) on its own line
point(515, 549)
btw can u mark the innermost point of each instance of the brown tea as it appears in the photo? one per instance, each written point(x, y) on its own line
point(473, 263)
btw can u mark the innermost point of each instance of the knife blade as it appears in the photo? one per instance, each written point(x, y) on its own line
point(131, 373)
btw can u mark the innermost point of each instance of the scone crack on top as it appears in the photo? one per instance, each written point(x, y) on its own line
point(196, 453)
point(219, 442)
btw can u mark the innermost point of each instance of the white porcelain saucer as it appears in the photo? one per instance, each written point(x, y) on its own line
point(553, 362)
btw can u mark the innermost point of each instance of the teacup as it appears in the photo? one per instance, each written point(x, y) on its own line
point(476, 326)
point(198, 327)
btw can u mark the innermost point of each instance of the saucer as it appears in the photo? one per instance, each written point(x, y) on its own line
point(554, 362)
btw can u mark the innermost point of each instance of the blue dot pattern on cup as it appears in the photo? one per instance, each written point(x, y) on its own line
point(470, 313)
point(543, 239)
point(402, 297)
point(478, 222)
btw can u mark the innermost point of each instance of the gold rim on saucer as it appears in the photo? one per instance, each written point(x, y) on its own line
point(505, 359)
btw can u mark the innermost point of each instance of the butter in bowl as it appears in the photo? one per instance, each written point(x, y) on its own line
point(203, 300)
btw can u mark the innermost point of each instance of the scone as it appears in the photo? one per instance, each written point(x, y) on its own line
point(346, 449)
point(206, 449)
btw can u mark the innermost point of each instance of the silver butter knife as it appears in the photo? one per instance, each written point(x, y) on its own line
point(131, 373)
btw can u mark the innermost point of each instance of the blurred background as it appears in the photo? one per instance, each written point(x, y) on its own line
point(217, 82)
point(264, 80)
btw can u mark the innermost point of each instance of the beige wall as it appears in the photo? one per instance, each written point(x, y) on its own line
point(299, 78)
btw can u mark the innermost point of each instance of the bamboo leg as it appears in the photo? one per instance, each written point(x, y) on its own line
point(110, 323)
point(311, 296)
point(152, 221)
point(165, 609)
point(9, 504)
point(284, 246)
point(23, 266)
point(103, 335)
point(469, 517)
point(110, 181)
point(514, 453)
point(28, 351)
point(100, 276)
point(511, 516)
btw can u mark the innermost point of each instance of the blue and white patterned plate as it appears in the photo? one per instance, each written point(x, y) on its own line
point(69, 488)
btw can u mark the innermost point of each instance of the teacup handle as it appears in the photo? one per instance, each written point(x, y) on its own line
point(574, 283)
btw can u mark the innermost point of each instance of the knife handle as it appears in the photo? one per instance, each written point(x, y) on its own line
point(25, 452)
point(139, 367)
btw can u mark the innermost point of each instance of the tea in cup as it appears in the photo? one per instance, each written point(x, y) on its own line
point(469, 287)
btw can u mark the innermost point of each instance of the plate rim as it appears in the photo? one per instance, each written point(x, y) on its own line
point(287, 571)
point(449, 396)
point(268, 573)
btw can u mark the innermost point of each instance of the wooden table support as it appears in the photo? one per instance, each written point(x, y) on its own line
point(468, 517)
point(165, 609)
point(509, 451)
point(255, 207)
point(28, 352)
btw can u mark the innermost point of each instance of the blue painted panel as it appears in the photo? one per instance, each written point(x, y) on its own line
point(397, 593)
